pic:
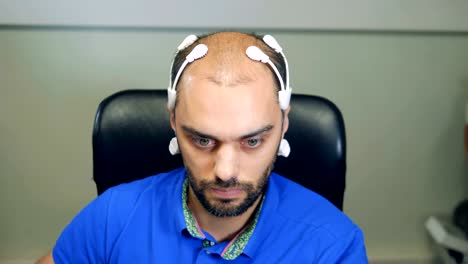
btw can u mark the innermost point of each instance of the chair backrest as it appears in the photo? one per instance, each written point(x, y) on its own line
point(132, 133)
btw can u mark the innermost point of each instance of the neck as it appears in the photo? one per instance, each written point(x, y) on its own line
point(221, 228)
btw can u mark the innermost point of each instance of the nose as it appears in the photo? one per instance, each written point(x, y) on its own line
point(227, 162)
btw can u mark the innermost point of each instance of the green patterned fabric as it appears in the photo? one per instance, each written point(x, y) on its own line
point(236, 246)
point(189, 218)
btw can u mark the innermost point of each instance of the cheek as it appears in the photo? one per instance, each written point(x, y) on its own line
point(198, 162)
point(253, 165)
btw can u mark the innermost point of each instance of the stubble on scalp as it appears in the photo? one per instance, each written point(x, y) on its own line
point(229, 63)
point(226, 63)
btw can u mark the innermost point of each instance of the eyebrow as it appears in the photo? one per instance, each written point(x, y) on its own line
point(257, 132)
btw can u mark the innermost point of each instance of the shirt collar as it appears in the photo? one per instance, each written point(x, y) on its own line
point(236, 246)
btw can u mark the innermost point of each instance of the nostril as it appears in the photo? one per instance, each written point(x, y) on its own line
point(225, 171)
point(226, 168)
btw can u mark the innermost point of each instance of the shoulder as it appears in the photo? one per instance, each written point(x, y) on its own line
point(127, 195)
point(307, 225)
point(120, 200)
point(109, 213)
point(159, 181)
point(302, 206)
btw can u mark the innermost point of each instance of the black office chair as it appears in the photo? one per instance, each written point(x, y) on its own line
point(132, 133)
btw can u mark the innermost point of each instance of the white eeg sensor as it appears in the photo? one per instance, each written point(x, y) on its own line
point(189, 40)
point(272, 43)
point(174, 146)
point(256, 54)
point(199, 51)
point(284, 148)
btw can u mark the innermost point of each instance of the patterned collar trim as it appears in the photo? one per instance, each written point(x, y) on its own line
point(236, 246)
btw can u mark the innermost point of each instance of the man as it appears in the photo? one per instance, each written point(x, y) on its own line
point(229, 104)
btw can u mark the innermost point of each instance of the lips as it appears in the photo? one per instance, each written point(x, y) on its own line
point(227, 193)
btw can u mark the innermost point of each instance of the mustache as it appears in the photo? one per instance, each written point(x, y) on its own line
point(218, 183)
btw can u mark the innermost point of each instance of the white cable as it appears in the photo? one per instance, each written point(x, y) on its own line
point(256, 54)
point(189, 40)
point(272, 43)
point(199, 51)
point(284, 95)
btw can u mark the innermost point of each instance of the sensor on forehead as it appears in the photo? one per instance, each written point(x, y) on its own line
point(199, 51)
point(284, 95)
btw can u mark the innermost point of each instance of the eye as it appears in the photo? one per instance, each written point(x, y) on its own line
point(253, 142)
point(203, 142)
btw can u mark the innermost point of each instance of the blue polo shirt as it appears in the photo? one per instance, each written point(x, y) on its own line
point(144, 222)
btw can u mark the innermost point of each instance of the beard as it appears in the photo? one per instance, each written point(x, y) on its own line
point(227, 207)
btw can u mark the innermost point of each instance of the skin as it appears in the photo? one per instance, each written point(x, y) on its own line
point(228, 125)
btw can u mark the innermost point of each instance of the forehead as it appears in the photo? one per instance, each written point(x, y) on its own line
point(227, 101)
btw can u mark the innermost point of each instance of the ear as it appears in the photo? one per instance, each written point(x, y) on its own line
point(172, 118)
point(286, 121)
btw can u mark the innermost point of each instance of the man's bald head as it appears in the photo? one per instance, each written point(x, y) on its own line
point(226, 63)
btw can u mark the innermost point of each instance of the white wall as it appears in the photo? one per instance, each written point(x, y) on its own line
point(402, 96)
point(415, 15)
